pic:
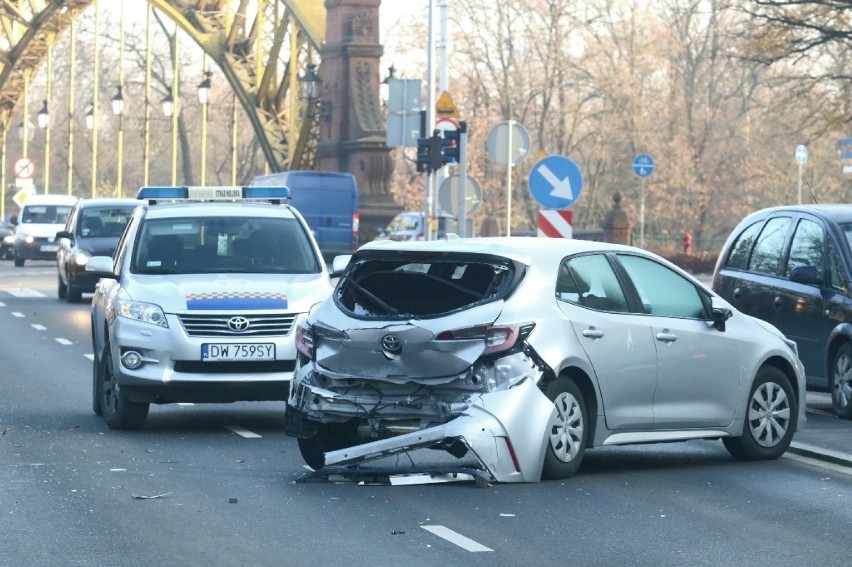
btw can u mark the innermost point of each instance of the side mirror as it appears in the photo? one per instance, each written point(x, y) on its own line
point(719, 313)
point(101, 266)
point(338, 265)
point(64, 234)
point(807, 275)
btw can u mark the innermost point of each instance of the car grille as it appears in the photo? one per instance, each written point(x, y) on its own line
point(217, 325)
point(197, 367)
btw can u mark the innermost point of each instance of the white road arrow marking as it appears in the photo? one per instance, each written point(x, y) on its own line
point(561, 187)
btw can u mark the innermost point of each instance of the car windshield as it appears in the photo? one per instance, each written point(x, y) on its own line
point(203, 245)
point(46, 214)
point(424, 287)
point(103, 221)
point(405, 221)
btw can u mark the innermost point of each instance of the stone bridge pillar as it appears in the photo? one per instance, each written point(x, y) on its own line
point(352, 126)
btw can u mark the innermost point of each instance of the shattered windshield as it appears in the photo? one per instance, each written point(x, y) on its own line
point(426, 287)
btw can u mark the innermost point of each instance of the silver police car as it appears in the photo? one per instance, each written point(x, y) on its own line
point(200, 301)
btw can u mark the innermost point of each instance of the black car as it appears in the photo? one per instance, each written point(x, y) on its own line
point(792, 266)
point(7, 240)
point(93, 229)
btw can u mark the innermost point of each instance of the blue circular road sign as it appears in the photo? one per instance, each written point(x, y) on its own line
point(555, 182)
point(643, 165)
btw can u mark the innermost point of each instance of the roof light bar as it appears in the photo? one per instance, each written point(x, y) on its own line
point(195, 193)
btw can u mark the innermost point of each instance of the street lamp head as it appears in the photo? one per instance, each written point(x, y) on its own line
point(204, 88)
point(90, 116)
point(43, 116)
point(309, 84)
point(117, 102)
point(384, 88)
point(168, 103)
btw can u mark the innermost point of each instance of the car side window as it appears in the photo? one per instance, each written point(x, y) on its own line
point(590, 281)
point(663, 291)
point(769, 248)
point(807, 247)
point(740, 249)
point(836, 271)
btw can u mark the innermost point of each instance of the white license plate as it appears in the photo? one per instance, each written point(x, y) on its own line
point(216, 352)
point(49, 248)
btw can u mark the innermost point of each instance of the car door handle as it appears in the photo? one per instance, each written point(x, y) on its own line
point(666, 337)
point(777, 301)
point(593, 333)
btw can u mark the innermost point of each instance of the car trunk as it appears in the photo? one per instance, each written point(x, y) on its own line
point(413, 316)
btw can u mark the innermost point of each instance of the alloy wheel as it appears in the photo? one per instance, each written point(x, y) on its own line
point(566, 436)
point(769, 414)
point(842, 382)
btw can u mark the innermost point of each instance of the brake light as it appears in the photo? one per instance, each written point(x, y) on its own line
point(497, 339)
point(305, 340)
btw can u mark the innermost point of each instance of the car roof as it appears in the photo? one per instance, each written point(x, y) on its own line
point(524, 249)
point(838, 212)
point(50, 200)
point(108, 202)
point(229, 209)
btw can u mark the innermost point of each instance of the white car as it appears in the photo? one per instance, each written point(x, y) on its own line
point(200, 301)
point(521, 353)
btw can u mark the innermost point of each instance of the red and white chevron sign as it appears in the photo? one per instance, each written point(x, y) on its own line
point(555, 223)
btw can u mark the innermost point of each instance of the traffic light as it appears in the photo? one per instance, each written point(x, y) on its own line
point(435, 143)
point(424, 157)
point(451, 149)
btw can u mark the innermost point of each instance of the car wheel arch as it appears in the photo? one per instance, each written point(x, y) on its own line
point(839, 336)
point(590, 397)
point(784, 366)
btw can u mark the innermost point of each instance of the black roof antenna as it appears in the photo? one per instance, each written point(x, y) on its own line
point(811, 189)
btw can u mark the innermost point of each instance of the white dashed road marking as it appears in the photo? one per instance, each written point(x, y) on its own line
point(17, 314)
point(64, 342)
point(90, 356)
point(2, 304)
point(25, 293)
point(456, 538)
point(243, 432)
point(185, 404)
point(38, 327)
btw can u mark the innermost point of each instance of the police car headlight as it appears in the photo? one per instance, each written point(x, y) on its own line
point(146, 312)
point(9, 239)
point(81, 258)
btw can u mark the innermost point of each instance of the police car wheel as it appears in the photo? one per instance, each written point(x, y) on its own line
point(117, 410)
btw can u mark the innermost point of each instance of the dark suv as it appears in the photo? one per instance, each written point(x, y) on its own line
point(792, 266)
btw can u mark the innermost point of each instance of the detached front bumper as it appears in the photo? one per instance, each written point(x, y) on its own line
point(506, 431)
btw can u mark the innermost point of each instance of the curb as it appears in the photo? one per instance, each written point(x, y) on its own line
point(836, 457)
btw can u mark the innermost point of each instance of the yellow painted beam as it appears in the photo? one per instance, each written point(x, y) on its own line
point(310, 15)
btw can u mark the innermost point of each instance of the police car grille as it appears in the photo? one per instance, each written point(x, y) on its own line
point(217, 325)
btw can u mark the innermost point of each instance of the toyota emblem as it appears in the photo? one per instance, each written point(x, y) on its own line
point(391, 344)
point(238, 324)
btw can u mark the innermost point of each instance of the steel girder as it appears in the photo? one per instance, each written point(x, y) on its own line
point(227, 30)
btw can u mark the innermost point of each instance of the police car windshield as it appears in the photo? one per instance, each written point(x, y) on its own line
point(204, 245)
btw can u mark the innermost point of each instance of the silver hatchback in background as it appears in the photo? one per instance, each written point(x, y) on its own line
point(521, 353)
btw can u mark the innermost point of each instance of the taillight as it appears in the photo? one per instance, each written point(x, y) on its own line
point(305, 340)
point(356, 227)
point(497, 338)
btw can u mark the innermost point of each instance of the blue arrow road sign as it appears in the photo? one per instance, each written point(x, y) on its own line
point(555, 182)
point(643, 165)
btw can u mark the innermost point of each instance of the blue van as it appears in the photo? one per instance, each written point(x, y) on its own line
point(329, 202)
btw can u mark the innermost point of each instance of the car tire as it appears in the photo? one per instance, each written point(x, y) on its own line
point(74, 295)
point(96, 388)
point(19, 262)
point(568, 436)
point(118, 411)
point(329, 437)
point(840, 382)
point(61, 288)
point(770, 420)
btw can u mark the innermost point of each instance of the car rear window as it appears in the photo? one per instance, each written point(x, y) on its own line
point(423, 287)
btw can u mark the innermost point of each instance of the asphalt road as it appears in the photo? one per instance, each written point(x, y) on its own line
point(215, 485)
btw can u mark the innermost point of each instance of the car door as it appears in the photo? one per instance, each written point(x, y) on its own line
point(618, 343)
point(698, 367)
point(799, 308)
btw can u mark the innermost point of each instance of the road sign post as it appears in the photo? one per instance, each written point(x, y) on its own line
point(643, 166)
point(509, 143)
point(801, 159)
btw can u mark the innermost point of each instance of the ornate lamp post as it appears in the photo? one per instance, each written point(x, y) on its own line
point(43, 119)
point(203, 98)
point(117, 109)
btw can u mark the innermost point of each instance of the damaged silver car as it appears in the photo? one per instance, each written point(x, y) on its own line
point(518, 354)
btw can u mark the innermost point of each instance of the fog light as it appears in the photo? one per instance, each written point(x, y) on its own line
point(131, 359)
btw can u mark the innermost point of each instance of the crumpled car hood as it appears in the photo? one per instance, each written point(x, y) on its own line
point(363, 349)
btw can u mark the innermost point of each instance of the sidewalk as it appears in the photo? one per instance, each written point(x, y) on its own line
point(824, 437)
